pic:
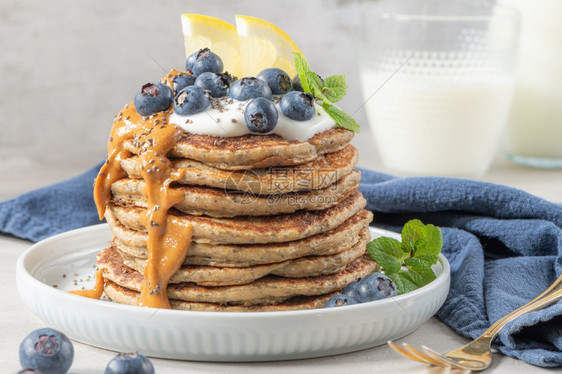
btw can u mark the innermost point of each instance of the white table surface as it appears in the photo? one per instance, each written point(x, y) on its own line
point(17, 321)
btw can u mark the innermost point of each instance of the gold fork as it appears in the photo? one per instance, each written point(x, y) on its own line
point(477, 355)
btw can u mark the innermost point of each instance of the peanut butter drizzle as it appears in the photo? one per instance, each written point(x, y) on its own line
point(168, 238)
point(97, 291)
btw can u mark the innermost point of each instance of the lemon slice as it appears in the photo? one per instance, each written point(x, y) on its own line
point(263, 45)
point(201, 31)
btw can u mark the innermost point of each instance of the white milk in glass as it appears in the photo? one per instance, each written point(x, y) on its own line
point(535, 122)
point(437, 125)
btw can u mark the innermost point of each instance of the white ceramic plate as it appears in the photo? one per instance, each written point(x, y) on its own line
point(68, 261)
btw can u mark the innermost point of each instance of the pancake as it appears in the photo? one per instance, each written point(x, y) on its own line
point(254, 151)
point(133, 243)
point(215, 202)
point(309, 266)
point(267, 290)
point(317, 174)
point(252, 230)
point(123, 295)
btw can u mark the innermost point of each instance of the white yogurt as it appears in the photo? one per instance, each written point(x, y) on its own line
point(226, 118)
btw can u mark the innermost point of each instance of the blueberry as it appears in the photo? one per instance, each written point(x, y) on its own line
point(153, 98)
point(297, 84)
point(340, 300)
point(249, 88)
point(129, 363)
point(47, 351)
point(203, 61)
point(351, 289)
point(216, 84)
point(278, 81)
point(261, 115)
point(181, 81)
point(298, 106)
point(190, 60)
point(375, 286)
point(191, 100)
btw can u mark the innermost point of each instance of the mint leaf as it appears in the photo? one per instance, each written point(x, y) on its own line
point(335, 88)
point(315, 84)
point(408, 263)
point(387, 252)
point(432, 241)
point(331, 90)
point(419, 274)
point(302, 69)
point(421, 239)
point(341, 118)
point(428, 259)
point(418, 263)
point(412, 232)
point(403, 282)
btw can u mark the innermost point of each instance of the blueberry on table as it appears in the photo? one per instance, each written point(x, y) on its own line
point(153, 98)
point(298, 106)
point(375, 286)
point(129, 363)
point(216, 84)
point(46, 351)
point(191, 100)
point(203, 61)
point(340, 300)
point(261, 115)
point(249, 88)
point(181, 81)
point(278, 81)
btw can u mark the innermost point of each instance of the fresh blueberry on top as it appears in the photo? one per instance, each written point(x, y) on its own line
point(129, 363)
point(249, 88)
point(297, 84)
point(182, 80)
point(202, 61)
point(153, 98)
point(47, 351)
point(261, 115)
point(190, 60)
point(298, 105)
point(191, 100)
point(216, 84)
point(375, 286)
point(340, 300)
point(278, 81)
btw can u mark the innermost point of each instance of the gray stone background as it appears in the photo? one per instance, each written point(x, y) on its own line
point(67, 66)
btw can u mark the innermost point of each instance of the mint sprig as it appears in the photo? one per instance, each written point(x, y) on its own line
point(408, 262)
point(328, 91)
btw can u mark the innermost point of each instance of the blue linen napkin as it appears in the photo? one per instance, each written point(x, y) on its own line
point(51, 210)
point(504, 246)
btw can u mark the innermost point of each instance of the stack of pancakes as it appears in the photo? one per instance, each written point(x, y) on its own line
point(277, 224)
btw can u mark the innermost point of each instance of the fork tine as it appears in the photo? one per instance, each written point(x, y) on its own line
point(437, 356)
point(428, 359)
point(405, 353)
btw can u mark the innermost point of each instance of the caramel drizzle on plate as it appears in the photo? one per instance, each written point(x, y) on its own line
point(168, 238)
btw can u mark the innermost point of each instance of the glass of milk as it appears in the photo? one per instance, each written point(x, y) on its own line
point(534, 130)
point(438, 81)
